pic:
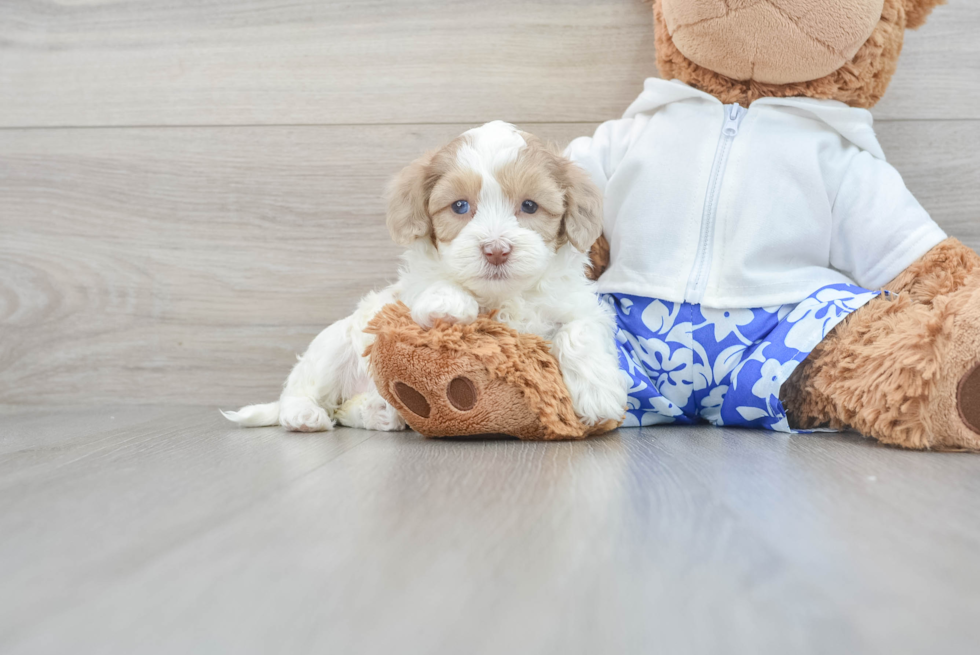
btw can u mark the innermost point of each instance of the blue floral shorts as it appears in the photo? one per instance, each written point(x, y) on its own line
point(689, 363)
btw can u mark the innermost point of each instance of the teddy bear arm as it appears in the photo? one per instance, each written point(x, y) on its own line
point(941, 271)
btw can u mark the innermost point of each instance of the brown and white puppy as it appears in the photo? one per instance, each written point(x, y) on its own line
point(495, 220)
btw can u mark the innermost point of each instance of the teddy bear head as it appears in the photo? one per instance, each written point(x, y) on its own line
point(742, 50)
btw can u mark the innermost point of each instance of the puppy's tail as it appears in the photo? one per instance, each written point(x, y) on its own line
point(254, 416)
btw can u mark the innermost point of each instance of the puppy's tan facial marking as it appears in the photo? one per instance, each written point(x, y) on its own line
point(457, 185)
point(410, 193)
point(532, 177)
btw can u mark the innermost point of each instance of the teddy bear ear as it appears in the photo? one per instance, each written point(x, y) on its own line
point(916, 11)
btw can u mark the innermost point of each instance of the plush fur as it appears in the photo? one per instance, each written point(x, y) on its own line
point(494, 221)
point(598, 258)
point(771, 41)
point(861, 82)
point(511, 380)
point(892, 370)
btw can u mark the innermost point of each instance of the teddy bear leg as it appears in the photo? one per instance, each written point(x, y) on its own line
point(901, 371)
point(951, 270)
point(955, 404)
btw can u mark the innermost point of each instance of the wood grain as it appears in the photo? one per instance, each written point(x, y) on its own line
point(191, 264)
point(187, 62)
point(182, 533)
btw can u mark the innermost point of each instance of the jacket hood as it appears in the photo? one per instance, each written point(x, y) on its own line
point(854, 124)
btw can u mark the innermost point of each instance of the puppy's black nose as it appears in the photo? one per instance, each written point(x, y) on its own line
point(496, 254)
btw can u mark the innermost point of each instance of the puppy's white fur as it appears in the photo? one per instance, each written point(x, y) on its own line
point(541, 287)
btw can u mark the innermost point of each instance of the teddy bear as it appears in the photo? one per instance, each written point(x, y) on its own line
point(767, 267)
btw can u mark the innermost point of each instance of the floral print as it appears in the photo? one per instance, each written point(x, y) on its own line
point(688, 363)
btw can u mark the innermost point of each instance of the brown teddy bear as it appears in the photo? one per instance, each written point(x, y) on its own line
point(768, 267)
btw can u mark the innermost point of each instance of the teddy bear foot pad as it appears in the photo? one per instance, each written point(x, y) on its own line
point(466, 380)
point(968, 399)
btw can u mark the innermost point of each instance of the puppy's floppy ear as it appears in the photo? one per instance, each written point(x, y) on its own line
point(916, 11)
point(408, 199)
point(583, 206)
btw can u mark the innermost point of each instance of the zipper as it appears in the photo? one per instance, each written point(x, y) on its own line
point(698, 280)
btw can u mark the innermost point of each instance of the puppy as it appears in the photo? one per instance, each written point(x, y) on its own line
point(495, 220)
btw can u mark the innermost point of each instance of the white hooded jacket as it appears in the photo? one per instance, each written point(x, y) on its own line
point(744, 208)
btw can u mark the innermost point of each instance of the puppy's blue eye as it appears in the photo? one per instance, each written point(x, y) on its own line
point(461, 207)
point(529, 206)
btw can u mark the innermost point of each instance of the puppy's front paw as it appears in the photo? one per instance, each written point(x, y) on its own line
point(444, 302)
point(591, 372)
point(598, 401)
point(371, 412)
point(303, 415)
point(384, 417)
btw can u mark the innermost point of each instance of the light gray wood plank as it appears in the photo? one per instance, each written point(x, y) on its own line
point(853, 514)
point(128, 491)
point(313, 62)
point(185, 62)
point(37, 436)
point(191, 264)
point(939, 68)
point(940, 162)
point(191, 535)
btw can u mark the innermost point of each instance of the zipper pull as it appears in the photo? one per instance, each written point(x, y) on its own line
point(733, 120)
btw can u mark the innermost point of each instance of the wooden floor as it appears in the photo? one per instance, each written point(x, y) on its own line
point(161, 529)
